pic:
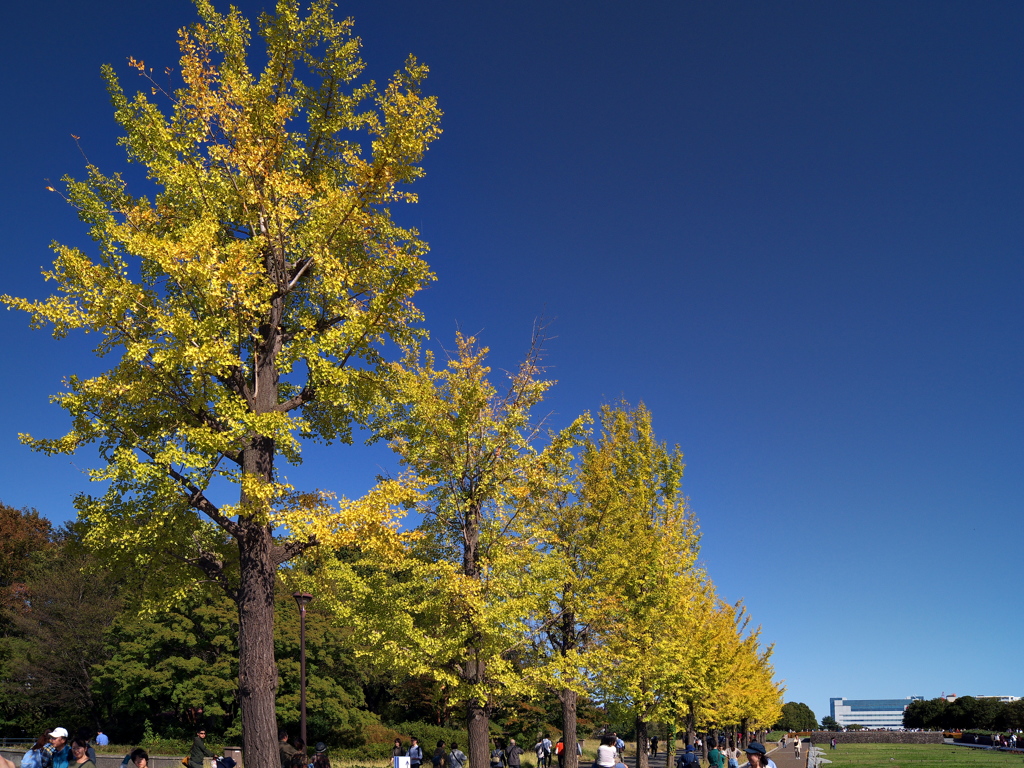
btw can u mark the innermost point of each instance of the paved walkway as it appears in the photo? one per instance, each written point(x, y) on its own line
point(783, 758)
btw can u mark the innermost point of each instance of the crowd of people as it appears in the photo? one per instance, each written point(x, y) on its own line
point(294, 754)
point(56, 749)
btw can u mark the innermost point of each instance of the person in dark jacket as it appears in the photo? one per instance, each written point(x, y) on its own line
point(199, 750)
point(287, 750)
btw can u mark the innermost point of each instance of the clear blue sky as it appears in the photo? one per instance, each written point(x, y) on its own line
point(794, 229)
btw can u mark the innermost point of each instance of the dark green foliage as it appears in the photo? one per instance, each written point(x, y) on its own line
point(964, 713)
point(797, 716)
point(829, 723)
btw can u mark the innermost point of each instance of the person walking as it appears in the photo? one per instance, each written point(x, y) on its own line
point(457, 758)
point(560, 751)
point(415, 753)
point(688, 758)
point(538, 750)
point(440, 756)
point(732, 755)
point(285, 748)
point(796, 746)
point(199, 750)
point(715, 757)
point(498, 754)
point(654, 746)
point(606, 753)
point(513, 754)
point(397, 751)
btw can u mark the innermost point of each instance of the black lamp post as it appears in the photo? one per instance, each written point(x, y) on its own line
point(302, 598)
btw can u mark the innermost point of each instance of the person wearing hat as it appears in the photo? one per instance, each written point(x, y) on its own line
point(60, 752)
point(320, 758)
point(688, 758)
point(757, 756)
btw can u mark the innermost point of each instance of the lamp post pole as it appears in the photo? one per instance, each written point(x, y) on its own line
point(302, 598)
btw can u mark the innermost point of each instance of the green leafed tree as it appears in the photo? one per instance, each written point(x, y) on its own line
point(829, 723)
point(178, 667)
point(796, 716)
point(244, 295)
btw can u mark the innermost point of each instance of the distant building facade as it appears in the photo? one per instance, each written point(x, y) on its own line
point(871, 713)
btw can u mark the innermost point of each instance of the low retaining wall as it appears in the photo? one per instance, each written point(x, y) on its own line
point(876, 737)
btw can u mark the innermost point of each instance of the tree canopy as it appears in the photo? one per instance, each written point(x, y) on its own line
point(796, 716)
point(245, 304)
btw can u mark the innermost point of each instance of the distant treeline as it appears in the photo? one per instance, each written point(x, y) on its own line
point(965, 713)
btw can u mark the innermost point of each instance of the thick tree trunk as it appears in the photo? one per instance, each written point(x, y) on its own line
point(743, 733)
point(257, 670)
point(478, 726)
point(641, 743)
point(569, 757)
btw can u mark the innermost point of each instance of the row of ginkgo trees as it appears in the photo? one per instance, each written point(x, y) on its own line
point(248, 293)
point(560, 562)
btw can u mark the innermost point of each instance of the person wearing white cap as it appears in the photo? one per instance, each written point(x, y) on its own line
point(60, 752)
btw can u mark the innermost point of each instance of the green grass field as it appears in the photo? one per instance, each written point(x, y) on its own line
point(916, 756)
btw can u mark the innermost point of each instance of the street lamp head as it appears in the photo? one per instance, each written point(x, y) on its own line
point(302, 598)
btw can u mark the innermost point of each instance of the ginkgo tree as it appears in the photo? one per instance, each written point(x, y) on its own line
point(634, 482)
point(244, 295)
point(486, 465)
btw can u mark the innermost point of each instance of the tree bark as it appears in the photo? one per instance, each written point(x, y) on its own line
point(569, 757)
point(641, 743)
point(691, 724)
point(478, 726)
point(257, 670)
point(743, 733)
point(670, 745)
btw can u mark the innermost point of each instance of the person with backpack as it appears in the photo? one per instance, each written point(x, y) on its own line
point(513, 755)
point(457, 758)
point(415, 753)
point(560, 751)
point(688, 759)
point(498, 754)
point(440, 756)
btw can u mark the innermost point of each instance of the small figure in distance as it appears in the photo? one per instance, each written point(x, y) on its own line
point(101, 739)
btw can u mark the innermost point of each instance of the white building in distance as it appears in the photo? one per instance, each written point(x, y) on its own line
point(871, 713)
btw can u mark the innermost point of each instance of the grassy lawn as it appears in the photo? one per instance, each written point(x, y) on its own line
point(916, 755)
